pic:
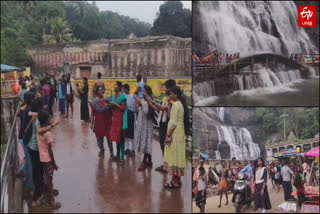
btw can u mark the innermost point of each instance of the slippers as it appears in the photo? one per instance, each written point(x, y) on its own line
point(170, 185)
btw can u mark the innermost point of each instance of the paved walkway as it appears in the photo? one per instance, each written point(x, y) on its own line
point(88, 183)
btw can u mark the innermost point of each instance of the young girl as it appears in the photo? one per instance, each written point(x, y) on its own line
point(262, 199)
point(202, 189)
point(48, 163)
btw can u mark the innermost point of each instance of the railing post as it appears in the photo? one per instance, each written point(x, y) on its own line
point(252, 65)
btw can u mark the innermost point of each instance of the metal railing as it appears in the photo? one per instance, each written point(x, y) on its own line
point(11, 201)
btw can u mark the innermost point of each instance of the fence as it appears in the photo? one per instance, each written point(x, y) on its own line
point(11, 186)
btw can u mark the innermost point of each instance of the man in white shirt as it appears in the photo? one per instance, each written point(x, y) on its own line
point(286, 173)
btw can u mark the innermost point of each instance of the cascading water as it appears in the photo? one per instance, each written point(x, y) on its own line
point(238, 139)
point(252, 27)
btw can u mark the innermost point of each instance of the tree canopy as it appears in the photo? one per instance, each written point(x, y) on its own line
point(172, 19)
point(28, 23)
point(303, 122)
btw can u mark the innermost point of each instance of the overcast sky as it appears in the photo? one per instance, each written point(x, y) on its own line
point(142, 10)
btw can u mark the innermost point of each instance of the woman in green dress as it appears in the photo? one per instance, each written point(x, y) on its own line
point(175, 148)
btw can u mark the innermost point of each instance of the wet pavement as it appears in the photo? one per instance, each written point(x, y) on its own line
point(88, 183)
point(276, 199)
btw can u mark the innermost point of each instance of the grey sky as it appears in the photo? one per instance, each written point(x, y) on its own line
point(142, 10)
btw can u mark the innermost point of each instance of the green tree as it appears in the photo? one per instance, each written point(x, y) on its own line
point(173, 20)
point(60, 32)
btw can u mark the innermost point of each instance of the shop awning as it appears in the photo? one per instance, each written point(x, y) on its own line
point(6, 68)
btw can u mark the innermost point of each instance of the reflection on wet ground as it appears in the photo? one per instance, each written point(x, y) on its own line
point(88, 183)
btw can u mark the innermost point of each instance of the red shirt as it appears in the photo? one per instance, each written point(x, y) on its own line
point(102, 121)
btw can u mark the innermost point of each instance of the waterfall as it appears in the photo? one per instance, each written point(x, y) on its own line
point(240, 142)
point(204, 89)
point(220, 112)
point(268, 78)
point(221, 140)
point(252, 27)
point(217, 153)
point(240, 82)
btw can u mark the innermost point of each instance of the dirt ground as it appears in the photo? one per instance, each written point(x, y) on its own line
point(212, 203)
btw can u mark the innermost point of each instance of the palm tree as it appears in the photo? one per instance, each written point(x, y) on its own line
point(59, 33)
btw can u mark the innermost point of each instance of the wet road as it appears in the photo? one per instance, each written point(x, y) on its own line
point(88, 183)
point(276, 198)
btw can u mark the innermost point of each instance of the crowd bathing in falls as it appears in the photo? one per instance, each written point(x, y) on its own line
point(127, 119)
point(219, 58)
point(302, 173)
point(216, 58)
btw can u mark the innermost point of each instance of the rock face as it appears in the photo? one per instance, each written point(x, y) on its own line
point(8, 110)
point(156, 56)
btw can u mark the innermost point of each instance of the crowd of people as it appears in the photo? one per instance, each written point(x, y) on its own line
point(282, 174)
point(216, 58)
point(127, 119)
point(36, 122)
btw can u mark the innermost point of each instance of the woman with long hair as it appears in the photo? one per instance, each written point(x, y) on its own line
point(175, 148)
point(144, 129)
point(119, 120)
point(261, 196)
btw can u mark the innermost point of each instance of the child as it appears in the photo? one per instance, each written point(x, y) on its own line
point(299, 184)
point(202, 189)
point(131, 102)
point(47, 159)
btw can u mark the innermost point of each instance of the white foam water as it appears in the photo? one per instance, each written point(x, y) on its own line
point(259, 26)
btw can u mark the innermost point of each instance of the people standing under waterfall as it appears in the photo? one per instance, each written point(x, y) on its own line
point(286, 174)
point(97, 84)
point(131, 103)
point(62, 95)
point(144, 128)
point(175, 148)
point(119, 120)
point(163, 115)
point(223, 183)
point(261, 196)
point(83, 93)
point(221, 58)
point(101, 120)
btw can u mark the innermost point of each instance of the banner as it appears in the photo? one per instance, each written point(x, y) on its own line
point(157, 85)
